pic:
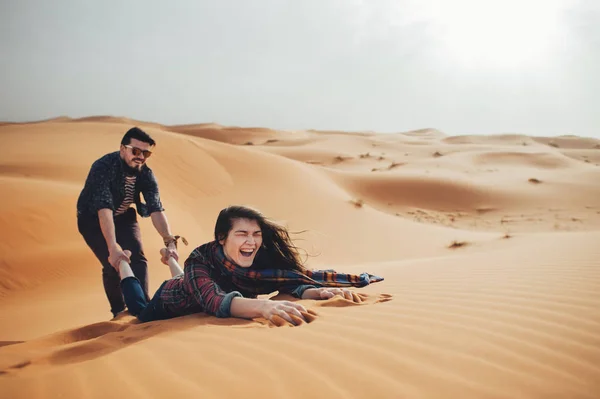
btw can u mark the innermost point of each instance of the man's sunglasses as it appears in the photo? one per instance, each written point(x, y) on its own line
point(138, 151)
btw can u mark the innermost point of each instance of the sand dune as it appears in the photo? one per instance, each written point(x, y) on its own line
point(417, 191)
point(540, 160)
point(497, 139)
point(488, 246)
point(569, 142)
point(232, 135)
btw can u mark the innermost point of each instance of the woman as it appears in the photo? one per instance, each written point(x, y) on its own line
point(250, 255)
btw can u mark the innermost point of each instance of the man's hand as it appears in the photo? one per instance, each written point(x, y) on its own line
point(115, 255)
point(171, 251)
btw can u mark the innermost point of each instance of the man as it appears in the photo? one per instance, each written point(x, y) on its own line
point(107, 222)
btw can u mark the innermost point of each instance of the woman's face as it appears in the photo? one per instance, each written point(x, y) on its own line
point(242, 242)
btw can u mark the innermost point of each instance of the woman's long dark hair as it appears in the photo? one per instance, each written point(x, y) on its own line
point(277, 251)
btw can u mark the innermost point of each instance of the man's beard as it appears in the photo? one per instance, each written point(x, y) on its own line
point(132, 171)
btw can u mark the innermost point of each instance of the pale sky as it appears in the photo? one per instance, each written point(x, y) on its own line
point(460, 66)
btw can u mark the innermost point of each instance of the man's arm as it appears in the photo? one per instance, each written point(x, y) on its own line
point(107, 225)
point(158, 216)
point(161, 224)
point(101, 201)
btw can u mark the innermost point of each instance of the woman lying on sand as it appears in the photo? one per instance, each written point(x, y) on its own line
point(250, 255)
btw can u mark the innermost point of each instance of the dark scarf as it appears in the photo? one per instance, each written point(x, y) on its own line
point(261, 281)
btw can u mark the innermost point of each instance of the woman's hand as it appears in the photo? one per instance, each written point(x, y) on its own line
point(286, 310)
point(328, 293)
point(280, 313)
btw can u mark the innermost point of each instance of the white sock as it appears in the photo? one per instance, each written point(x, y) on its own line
point(125, 270)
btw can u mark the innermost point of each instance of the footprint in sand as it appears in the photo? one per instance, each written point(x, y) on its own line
point(359, 299)
point(89, 332)
point(87, 343)
point(384, 298)
point(102, 338)
point(336, 302)
point(16, 367)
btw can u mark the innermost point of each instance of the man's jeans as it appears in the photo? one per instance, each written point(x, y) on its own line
point(127, 231)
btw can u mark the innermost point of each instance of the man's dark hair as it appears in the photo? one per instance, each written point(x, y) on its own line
point(138, 134)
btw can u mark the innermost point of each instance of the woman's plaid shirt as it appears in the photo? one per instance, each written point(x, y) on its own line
point(206, 285)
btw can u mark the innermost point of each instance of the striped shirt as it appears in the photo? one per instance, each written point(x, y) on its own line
point(105, 189)
point(129, 191)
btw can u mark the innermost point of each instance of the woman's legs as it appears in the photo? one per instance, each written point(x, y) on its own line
point(129, 237)
point(135, 298)
point(134, 295)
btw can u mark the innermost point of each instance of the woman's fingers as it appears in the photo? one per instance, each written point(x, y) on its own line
point(296, 306)
point(278, 321)
point(310, 316)
point(297, 320)
point(328, 293)
point(293, 312)
point(284, 315)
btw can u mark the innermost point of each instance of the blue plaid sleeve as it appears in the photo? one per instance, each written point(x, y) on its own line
point(296, 291)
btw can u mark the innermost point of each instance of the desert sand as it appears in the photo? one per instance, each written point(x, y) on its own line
point(489, 246)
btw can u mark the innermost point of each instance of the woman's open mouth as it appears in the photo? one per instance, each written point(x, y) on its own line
point(246, 253)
